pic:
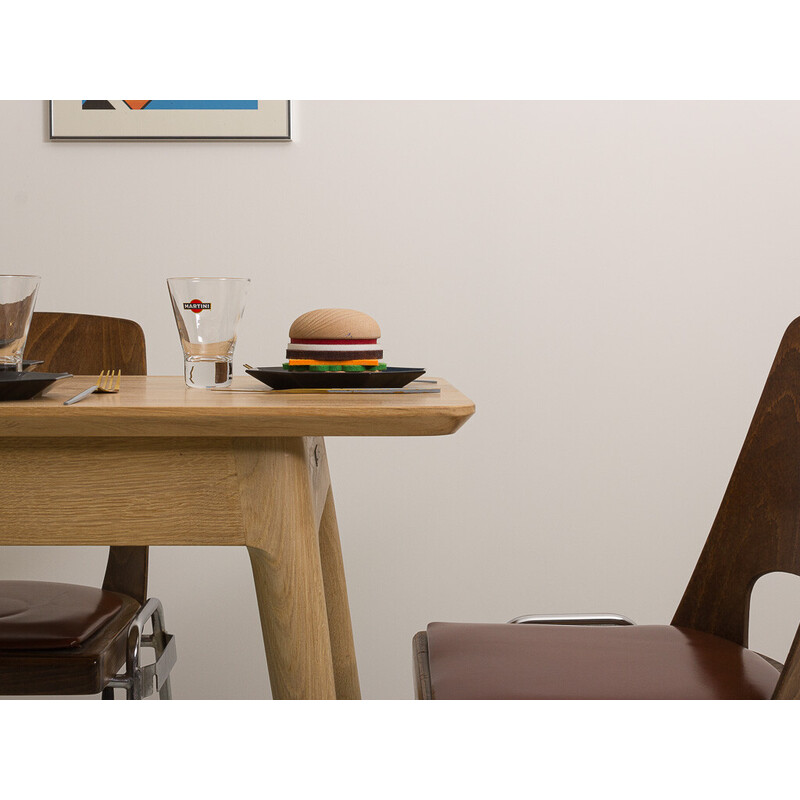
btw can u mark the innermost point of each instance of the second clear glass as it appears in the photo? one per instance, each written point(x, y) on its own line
point(207, 313)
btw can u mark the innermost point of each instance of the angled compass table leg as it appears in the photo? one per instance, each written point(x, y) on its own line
point(280, 488)
point(345, 669)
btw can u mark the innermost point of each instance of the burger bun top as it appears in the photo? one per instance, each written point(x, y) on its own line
point(334, 323)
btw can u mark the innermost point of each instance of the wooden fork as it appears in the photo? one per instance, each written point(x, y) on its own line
point(105, 385)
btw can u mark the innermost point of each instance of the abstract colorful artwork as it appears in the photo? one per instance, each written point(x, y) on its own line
point(170, 119)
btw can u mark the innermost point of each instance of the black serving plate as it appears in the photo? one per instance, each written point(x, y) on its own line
point(25, 385)
point(27, 366)
point(390, 378)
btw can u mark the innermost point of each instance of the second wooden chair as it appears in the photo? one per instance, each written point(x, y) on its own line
point(703, 653)
point(65, 639)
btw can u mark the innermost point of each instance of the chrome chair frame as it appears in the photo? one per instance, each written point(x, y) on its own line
point(139, 681)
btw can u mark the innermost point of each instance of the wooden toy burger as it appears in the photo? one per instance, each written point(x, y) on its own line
point(334, 340)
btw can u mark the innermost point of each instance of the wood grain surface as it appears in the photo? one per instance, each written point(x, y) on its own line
point(788, 687)
point(345, 670)
point(111, 491)
point(757, 528)
point(85, 342)
point(160, 464)
point(271, 494)
point(163, 406)
point(278, 503)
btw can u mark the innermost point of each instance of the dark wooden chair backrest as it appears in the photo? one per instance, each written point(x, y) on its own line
point(85, 344)
point(757, 528)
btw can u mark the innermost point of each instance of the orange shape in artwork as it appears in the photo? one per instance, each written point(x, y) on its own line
point(136, 105)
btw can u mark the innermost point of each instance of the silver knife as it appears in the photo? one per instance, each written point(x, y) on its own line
point(79, 397)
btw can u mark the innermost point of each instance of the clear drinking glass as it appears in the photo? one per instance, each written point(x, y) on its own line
point(17, 299)
point(207, 312)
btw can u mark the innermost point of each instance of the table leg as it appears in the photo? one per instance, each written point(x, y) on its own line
point(345, 670)
point(278, 490)
point(295, 629)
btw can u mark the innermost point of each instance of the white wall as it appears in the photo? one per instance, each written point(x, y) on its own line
point(608, 282)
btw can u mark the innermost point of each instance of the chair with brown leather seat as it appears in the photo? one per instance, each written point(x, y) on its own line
point(703, 653)
point(65, 639)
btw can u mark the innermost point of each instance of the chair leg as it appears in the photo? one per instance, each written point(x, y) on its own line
point(422, 668)
point(108, 694)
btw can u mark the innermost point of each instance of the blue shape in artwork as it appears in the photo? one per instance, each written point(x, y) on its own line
point(203, 105)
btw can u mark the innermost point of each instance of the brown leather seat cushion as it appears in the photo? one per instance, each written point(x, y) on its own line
point(474, 661)
point(37, 615)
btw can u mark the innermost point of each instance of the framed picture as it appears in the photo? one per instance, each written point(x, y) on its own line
point(266, 120)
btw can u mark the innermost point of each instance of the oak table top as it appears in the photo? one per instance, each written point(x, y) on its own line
point(163, 406)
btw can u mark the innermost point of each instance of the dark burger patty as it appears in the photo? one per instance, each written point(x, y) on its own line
point(334, 355)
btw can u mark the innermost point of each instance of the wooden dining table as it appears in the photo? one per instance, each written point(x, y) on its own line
point(162, 464)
